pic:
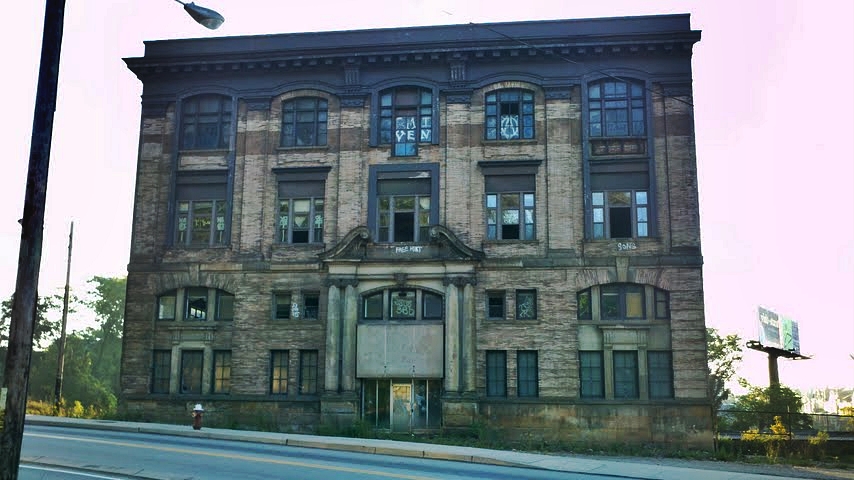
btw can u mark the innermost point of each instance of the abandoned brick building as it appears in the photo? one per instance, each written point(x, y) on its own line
point(422, 229)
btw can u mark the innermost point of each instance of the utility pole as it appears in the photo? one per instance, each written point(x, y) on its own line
point(20, 350)
point(60, 364)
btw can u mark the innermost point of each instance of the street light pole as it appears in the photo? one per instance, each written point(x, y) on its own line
point(20, 348)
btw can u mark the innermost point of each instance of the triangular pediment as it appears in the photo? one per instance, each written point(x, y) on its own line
point(443, 244)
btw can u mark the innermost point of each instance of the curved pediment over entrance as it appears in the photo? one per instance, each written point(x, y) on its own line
point(358, 244)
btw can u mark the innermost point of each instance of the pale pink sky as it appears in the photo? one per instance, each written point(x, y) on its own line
point(773, 96)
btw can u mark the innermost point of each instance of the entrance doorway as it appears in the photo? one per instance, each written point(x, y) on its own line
point(401, 405)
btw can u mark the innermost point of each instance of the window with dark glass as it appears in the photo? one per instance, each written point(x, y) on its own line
point(403, 209)
point(622, 301)
point(509, 115)
point(496, 373)
point(662, 304)
point(660, 373)
point(304, 122)
point(403, 304)
point(620, 214)
point(406, 119)
point(616, 109)
point(585, 306)
point(527, 374)
point(221, 371)
point(373, 306)
point(205, 122)
point(161, 368)
point(510, 216)
point(282, 305)
point(526, 304)
point(224, 306)
point(592, 374)
point(626, 374)
point(191, 371)
point(201, 209)
point(495, 304)
point(308, 372)
point(301, 193)
point(434, 307)
point(311, 305)
point(279, 372)
point(166, 304)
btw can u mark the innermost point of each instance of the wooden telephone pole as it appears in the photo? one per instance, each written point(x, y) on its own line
point(60, 364)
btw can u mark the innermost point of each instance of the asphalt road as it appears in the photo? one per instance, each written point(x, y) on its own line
point(54, 453)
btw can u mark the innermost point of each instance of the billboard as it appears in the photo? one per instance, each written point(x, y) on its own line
point(778, 331)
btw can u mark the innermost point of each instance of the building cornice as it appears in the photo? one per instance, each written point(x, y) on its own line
point(457, 45)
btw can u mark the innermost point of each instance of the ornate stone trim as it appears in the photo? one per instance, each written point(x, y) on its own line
point(440, 234)
point(459, 281)
point(357, 102)
point(558, 93)
point(462, 98)
point(353, 244)
point(257, 104)
point(342, 283)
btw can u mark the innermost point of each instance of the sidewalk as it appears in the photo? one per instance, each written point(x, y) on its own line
point(636, 468)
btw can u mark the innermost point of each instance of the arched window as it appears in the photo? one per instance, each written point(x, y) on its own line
point(406, 119)
point(304, 122)
point(198, 304)
point(509, 114)
point(206, 122)
point(403, 304)
point(616, 109)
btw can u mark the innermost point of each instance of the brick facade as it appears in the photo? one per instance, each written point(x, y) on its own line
point(402, 362)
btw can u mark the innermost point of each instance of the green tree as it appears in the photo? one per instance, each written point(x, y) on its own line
point(724, 355)
point(44, 329)
point(106, 298)
point(756, 409)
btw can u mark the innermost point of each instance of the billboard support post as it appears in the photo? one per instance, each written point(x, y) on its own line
point(778, 337)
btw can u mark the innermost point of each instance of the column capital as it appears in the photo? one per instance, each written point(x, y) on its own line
point(342, 282)
point(459, 281)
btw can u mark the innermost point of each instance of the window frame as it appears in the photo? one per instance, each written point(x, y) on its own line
point(173, 294)
point(276, 296)
point(626, 374)
point(221, 372)
point(192, 116)
point(520, 293)
point(389, 108)
point(319, 127)
point(527, 374)
point(660, 374)
point(622, 292)
point(635, 99)
point(526, 224)
point(377, 174)
point(584, 309)
point(161, 371)
point(496, 373)
point(279, 360)
point(588, 386)
point(500, 295)
point(300, 184)
point(602, 213)
point(218, 312)
point(308, 372)
point(192, 191)
point(493, 118)
point(192, 361)
point(315, 308)
point(189, 297)
point(381, 302)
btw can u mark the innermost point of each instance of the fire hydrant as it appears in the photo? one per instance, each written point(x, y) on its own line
point(197, 416)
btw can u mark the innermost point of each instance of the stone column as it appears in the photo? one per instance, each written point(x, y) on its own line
point(452, 338)
point(348, 340)
point(470, 346)
point(608, 365)
point(333, 338)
